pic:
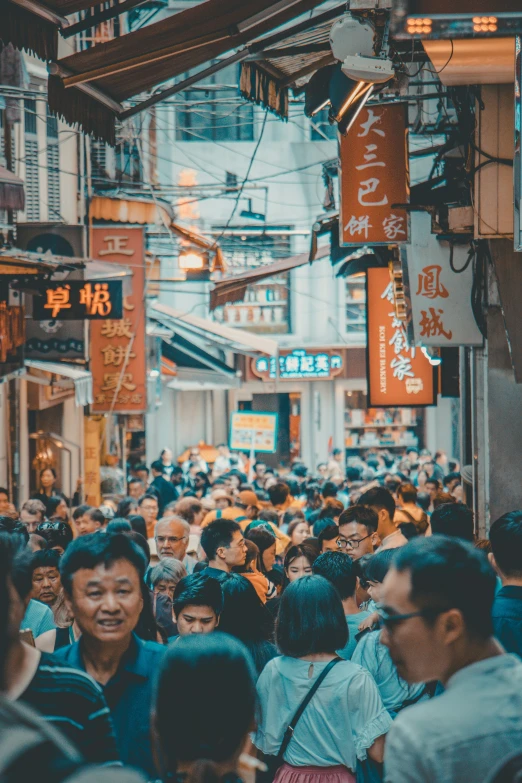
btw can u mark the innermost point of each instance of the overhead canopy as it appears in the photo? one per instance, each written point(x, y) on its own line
point(202, 380)
point(11, 190)
point(473, 60)
point(233, 288)
point(222, 337)
point(185, 354)
point(79, 378)
point(88, 87)
point(129, 209)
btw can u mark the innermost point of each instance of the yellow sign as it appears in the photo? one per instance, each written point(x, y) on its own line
point(252, 431)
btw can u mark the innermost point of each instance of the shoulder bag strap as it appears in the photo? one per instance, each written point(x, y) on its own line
point(302, 707)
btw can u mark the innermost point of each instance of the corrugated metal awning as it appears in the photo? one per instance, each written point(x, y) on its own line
point(80, 378)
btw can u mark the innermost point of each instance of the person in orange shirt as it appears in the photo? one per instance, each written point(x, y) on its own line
point(281, 499)
point(251, 571)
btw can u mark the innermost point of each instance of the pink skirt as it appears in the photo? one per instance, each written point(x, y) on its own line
point(289, 774)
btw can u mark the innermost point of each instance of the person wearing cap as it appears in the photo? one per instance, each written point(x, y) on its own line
point(228, 508)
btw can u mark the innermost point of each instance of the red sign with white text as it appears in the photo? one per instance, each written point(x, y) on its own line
point(374, 176)
point(118, 361)
point(398, 375)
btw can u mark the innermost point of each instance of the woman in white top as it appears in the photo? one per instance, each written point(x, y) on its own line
point(345, 721)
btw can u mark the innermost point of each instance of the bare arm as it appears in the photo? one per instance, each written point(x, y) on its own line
point(376, 752)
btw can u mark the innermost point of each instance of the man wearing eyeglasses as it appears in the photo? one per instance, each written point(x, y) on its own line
point(436, 618)
point(171, 536)
point(358, 531)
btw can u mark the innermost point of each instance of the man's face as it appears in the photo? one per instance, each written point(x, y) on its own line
point(136, 490)
point(165, 587)
point(359, 541)
point(171, 539)
point(260, 470)
point(149, 510)
point(85, 525)
point(31, 521)
point(177, 479)
point(143, 476)
point(167, 457)
point(46, 585)
point(330, 546)
point(431, 489)
point(234, 554)
point(420, 651)
point(106, 601)
point(196, 619)
point(4, 502)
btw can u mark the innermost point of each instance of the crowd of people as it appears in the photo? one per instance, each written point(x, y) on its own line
point(227, 622)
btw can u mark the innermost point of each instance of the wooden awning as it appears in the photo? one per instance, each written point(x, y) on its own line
point(89, 87)
point(12, 194)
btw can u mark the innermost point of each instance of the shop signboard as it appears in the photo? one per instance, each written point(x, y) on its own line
point(398, 375)
point(300, 364)
point(79, 300)
point(91, 461)
point(374, 177)
point(252, 431)
point(441, 281)
point(118, 356)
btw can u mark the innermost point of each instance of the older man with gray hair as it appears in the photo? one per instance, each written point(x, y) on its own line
point(171, 536)
point(32, 514)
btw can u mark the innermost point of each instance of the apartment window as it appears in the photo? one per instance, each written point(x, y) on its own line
point(320, 128)
point(53, 168)
point(356, 305)
point(217, 113)
point(32, 169)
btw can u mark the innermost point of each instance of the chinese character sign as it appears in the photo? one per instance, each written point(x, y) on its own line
point(374, 176)
point(299, 364)
point(440, 297)
point(398, 374)
point(253, 431)
point(118, 344)
point(79, 300)
point(91, 461)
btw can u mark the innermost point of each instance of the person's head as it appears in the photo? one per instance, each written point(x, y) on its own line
point(505, 536)
point(165, 576)
point(47, 478)
point(259, 470)
point(436, 607)
point(453, 519)
point(126, 507)
point(358, 531)
point(411, 529)
point(424, 501)
point(337, 454)
point(442, 499)
point(4, 500)
point(148, 507)
point(142, 473)
point(141, 542)
point(138, 524)
point(311, 618)
point(328, 538)
point(381, 501)
point(432, 486)
point(172, 537)
point(298, 531)
point(57, 508)
point(135, 488)
point(266, 543)
point(332, 509)
point(374, 570)
point(91, 521)
point(406, 493)
point(166, 456)
point(46, 582)
point(222, 499)
point(117, 525)
point(32, 514)
point(191, 510)
point(243, 615)
point(441, 458)
point(205, 676)
point(248, 501)
point(223, 541)
point(36, 542)
point(329, 490)
point(102, 577)
point(176, 477)
point(57, 534)
point(451, 480)
point(338, 569)
point(197, 604)
point(278, 493)
point(299, 560)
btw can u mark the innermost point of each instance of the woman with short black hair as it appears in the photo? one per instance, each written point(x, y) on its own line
point(345, 720)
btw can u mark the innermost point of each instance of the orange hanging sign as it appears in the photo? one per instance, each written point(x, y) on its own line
point(118, 361)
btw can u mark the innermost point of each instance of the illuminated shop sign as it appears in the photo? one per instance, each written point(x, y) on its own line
point(300, 364)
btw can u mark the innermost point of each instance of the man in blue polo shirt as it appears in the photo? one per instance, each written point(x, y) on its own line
point(102, 578)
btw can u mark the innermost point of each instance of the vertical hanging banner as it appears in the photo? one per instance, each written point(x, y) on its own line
point(91, 461)
point(374, 176)
point(118, 346)
point(398, 375)
point(441, 282)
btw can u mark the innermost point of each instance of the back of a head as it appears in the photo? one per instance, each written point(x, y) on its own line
point(328, 533)
point(187, 508)
point(118, 525)
point(338, 569)
point(55, 533)
point(453, 519)
point(157, 466)
point(448, 573)
point(505, 536)
point(97, 549)
point(218, 534)
point(261, 538)
point(252, 555)
point(378, 565)
point(424, 501)
point(332, 508)
point(278, 493)
point(442, 499)
point(206, 674)
point(244, 616)
point(311, 618)
point(198, 590)
point(269, 515)
point(407, 493)
point(329, 490)
point(140, 541)
point(379, 498)
point(138, 524)
point(170, 569)
point(362, 515)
